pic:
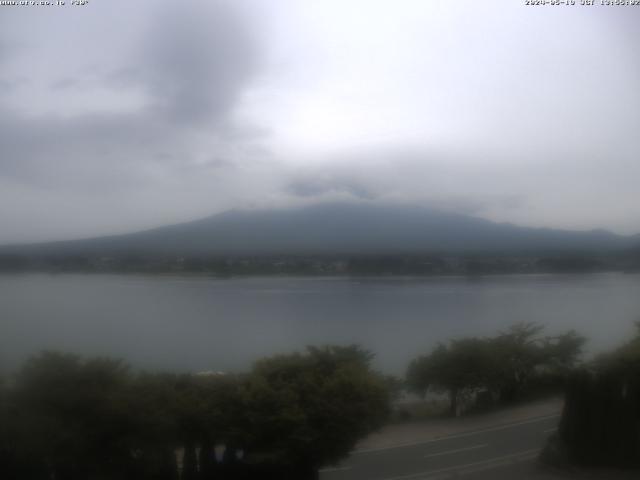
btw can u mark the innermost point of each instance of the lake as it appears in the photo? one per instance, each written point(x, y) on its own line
point(195, 323)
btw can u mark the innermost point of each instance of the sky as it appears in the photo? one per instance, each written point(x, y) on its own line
point(118, 116)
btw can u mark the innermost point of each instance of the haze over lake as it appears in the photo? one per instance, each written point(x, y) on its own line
point(203, 323)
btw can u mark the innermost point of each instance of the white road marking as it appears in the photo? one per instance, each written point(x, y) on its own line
point(471, 467)
point(454, 436)
point(458, 450)
point(334, 469)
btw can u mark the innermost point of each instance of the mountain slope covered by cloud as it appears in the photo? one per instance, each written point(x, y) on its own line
point(121, 115)
point(337, 229)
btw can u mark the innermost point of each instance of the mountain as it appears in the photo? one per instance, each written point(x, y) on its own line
point(337, 229)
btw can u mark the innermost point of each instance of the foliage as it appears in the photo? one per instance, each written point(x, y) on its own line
point(600, 424)
point(624, 358)
point(310, 409)
point(70, 418)
point(501, 366)
point(458, 368)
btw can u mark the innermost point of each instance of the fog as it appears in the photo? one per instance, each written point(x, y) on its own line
point(118, 116)
point(319, 239)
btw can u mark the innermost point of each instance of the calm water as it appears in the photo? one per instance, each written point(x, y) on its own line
point(194, 323)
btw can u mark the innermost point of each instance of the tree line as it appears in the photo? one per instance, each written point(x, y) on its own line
point(496, 370)
point(317, 264)
point(67, 418)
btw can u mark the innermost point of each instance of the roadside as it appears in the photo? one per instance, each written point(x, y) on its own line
point(503, 444)
point(534, 470)
point(404, 434)
point(499, 445)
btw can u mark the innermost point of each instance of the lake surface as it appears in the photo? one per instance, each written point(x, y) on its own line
point(201, 323)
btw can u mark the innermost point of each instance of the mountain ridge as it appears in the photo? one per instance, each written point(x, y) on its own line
point(336, 228)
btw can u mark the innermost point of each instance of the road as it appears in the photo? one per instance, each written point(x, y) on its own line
point(503, 451)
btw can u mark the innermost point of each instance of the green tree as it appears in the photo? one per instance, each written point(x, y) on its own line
point(562, 353)
point(73, 415)
point(518, 351)
point(308, 410)
point(155, 435)
point(501, 366)
point(600, 422)
point(522, 353)
point(459, 369)
point(624, 359)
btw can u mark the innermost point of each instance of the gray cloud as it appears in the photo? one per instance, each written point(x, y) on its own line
point(64, 83)
point(195, 63)
point(8, 48)
point(79, 152)
point(319, 185)
point(169, 112)
point(173, 153)
point(7, 85)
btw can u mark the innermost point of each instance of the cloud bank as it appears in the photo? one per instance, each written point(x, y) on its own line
point(119, 116)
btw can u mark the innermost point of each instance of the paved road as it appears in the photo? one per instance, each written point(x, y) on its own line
point(505, 451)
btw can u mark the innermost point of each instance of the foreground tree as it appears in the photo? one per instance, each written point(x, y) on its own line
point(600, 424)
point(502, 366)
point(522, 353)
point(74, 419)
point(308, 410)
point(458, 369)
point(518, 353)
point(71, 417)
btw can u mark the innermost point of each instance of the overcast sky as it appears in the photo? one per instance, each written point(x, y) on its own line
point(122, 115)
